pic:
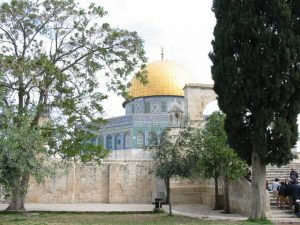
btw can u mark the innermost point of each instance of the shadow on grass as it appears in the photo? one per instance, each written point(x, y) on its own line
point(81, 212)
point(252, 222)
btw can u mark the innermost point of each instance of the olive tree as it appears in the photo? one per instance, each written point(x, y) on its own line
point(215, 158)
point(170, 157)
point(53, 57)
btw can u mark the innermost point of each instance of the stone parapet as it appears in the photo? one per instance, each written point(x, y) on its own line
point(199, 85)
point(129, 155)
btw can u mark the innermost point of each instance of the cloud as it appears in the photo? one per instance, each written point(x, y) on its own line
point(183, 28)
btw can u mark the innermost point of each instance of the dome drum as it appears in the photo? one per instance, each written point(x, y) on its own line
point(152, 104)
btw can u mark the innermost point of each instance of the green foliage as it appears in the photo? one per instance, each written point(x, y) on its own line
point(215, 157)
point(170, 155)
point(16, 155)
point(257, 221)
point(113, 218)
point(54, 57)
point(257, 75)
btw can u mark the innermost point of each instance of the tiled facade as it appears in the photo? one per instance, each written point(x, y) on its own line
point(145, 118)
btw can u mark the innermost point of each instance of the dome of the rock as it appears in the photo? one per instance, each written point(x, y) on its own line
point(165, 78)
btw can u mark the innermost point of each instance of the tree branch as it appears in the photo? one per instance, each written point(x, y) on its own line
point(77, 60)
point(6, 102)
point(68, 53)
point(9, 85)
point(39, 29)
point(12, 40)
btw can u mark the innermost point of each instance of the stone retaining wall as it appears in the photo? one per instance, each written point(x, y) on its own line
point(130, 181)
point(116, 181)
point(194, 192)
point(112, 182)
point(240, 197)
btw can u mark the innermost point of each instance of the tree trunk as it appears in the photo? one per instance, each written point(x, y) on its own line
point(217, 202)
point(167, 197)
point(258, 185)
point(167, 182)
point(17, 201)
point(226, 195)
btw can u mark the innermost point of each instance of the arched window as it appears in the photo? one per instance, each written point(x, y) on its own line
point(94, 141)
point(118, 141)
point(108, 142)
point(177, 119)
point(140, 138)
point(153, 138)
point(170, 120)
point(100, 140)
point(127, 140)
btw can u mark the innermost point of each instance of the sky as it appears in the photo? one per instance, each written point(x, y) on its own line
point(183, 28)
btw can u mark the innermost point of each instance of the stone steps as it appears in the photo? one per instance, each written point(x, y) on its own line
point(281, 173)
point(278, 214)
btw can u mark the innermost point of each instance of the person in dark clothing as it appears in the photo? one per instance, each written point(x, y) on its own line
point(293, 174)
point(296, 197)
point(282, 194)
point(289, 193)
point(248, 175)
point(267, 186)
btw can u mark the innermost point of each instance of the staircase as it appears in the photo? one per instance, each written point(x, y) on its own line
point(281, 173)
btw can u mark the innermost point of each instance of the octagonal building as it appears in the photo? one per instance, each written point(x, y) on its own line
point(148, 112)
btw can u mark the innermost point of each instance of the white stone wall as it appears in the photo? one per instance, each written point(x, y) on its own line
point(185, 191)
point(115, 181)
point(240, 197)
point(130, 154)
point(112, 182)
point(131, 181)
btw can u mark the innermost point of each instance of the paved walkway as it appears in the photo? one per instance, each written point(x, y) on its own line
point(203, 212)
point(87, 207)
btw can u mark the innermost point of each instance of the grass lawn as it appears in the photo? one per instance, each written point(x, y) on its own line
point(59, 218)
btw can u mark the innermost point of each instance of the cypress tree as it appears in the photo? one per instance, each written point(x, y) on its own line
point(256, 70)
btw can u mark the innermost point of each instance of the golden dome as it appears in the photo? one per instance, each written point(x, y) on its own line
point(164, 78)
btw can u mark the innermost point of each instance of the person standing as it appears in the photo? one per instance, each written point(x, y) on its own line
point(282, 194)
point(289, 192)
point(275, 188)
point(296, 198)
point(293, 174)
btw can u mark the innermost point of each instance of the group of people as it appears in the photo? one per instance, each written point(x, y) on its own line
point(287, 192)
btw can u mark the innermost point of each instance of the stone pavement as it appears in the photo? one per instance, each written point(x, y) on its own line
point(89, 207)
point(205, 212)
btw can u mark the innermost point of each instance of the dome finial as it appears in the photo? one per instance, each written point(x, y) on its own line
point(162, 53)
